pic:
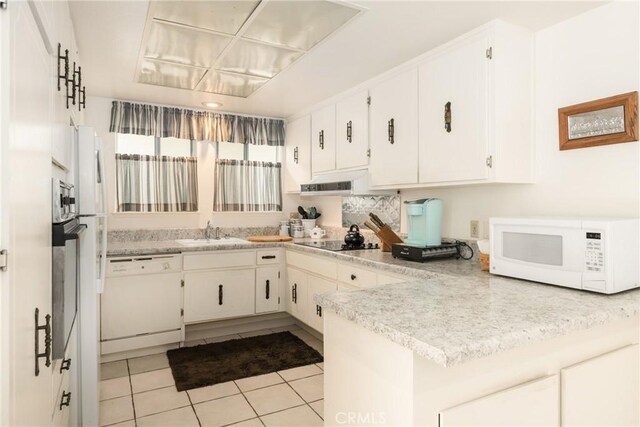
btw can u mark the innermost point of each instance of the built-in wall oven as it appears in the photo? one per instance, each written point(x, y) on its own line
point(65, 240)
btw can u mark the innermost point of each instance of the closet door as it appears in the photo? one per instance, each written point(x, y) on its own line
point(393, 116)
point(352, 131)
point(28, 196)
point(455, 85)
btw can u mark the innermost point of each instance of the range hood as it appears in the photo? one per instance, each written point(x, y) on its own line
point(350, 183)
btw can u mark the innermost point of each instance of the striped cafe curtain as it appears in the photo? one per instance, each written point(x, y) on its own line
point(156, 183)
point(247, 186)
point(146, 119)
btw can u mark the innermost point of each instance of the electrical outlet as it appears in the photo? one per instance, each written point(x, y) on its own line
point(474, 229)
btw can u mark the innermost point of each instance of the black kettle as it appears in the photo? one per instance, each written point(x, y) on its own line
point(353, 237)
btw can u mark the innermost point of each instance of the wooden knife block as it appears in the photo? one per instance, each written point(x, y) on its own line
point(388, 237)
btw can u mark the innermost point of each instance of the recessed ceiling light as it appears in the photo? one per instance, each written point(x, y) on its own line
point(212, 104)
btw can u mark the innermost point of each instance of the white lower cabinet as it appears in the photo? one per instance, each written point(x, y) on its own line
point(535, 403)
point(603, 391)
point(267, 289)
point(317, 285)
point(297, 283)
point(213, 295)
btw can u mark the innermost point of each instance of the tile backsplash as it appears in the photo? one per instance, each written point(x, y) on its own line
point(355, 210)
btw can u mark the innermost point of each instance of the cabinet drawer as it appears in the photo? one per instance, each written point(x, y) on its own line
point(356, 276)
point(316, 265)
point(219, 260)
point(271, 256)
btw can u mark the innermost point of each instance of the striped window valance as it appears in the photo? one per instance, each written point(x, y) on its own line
point(247, 186)
point(159, 121)
point(156, 183)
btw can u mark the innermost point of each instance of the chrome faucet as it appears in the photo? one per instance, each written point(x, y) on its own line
point(217, 233)
point(207, 231)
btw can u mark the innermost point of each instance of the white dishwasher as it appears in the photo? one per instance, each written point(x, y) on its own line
point(142, 303)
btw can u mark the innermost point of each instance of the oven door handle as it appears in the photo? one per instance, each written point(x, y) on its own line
point(75, 232)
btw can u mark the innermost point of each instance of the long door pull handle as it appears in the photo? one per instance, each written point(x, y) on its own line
point(391, 131)
point(267, 289)
point(220, 294)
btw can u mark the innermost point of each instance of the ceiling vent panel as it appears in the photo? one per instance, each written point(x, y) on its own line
point(231, 84)
point(257, 59)
point(184, 45)
point(298, 24)
point(170, 75)
point(223, 16)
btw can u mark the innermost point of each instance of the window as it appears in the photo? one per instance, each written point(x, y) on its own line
point(247, 178)
point(154, 146)
point(155, 174)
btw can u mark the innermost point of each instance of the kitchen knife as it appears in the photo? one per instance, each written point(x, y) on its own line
point(376, 220)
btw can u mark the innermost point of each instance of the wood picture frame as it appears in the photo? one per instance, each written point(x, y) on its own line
point(605, 121)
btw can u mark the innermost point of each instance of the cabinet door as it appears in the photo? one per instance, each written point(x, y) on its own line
point(456, 81)
point(352, 131)
point(323, 139)
point(394, 130)
point(134, 305)
point(297, 163)
point(267, 289)
point(296, 293)
point(317, 286)
point(532, 404)
point(211, 295)
point(602, 391)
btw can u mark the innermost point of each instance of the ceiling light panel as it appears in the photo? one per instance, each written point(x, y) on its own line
point(257, 59)
point(184, 45)
point(223, 16)
point(171, 75)
point(231, 84)
point(298, 24)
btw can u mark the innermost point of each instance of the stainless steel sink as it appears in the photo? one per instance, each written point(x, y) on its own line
point(211, 242)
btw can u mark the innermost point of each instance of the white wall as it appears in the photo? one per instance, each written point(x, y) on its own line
point(591, 56)
point(98, 114)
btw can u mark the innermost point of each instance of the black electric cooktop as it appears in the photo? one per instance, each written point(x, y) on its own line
point(337, 245)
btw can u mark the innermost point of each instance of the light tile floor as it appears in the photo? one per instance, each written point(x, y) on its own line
point(141, 392)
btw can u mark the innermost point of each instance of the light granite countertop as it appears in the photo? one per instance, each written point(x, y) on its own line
point(452, 312)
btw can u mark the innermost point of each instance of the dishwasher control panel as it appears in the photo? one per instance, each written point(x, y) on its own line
point(138, 265)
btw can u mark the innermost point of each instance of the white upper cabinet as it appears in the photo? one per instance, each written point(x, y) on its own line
point(475, 109)
point(323, 139)
point(453, 114)
point(297, 163)
point(393, 117)
point(352, 131)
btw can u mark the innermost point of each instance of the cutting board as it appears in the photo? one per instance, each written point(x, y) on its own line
point(269, 238)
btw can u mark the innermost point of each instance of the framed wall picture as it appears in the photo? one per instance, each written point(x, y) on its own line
point(601, 122)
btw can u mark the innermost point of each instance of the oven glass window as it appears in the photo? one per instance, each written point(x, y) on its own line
point(533, 248)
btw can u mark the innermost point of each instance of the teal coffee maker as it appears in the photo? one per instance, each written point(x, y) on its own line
point(424, 222)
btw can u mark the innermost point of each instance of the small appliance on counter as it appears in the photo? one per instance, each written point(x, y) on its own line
point(595, 254)
point(424, 222)
point(424, 234)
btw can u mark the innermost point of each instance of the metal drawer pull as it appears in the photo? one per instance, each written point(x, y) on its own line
point(267, 290)
point(349, 131)
point(319, 311)
point(64, 77)
point(65, 365)
point(447, 117)
point(47, 341)
point(353, 277)
point(295, 155)
point(294, 293)
point(321, 139)
point(220, 294)
point(391, 130)
point(65, 400)
point(268, 257)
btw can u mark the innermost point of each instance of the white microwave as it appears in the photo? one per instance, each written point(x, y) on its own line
point(599, 255)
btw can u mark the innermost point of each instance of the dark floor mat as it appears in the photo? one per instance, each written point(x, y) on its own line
point(209, 364)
